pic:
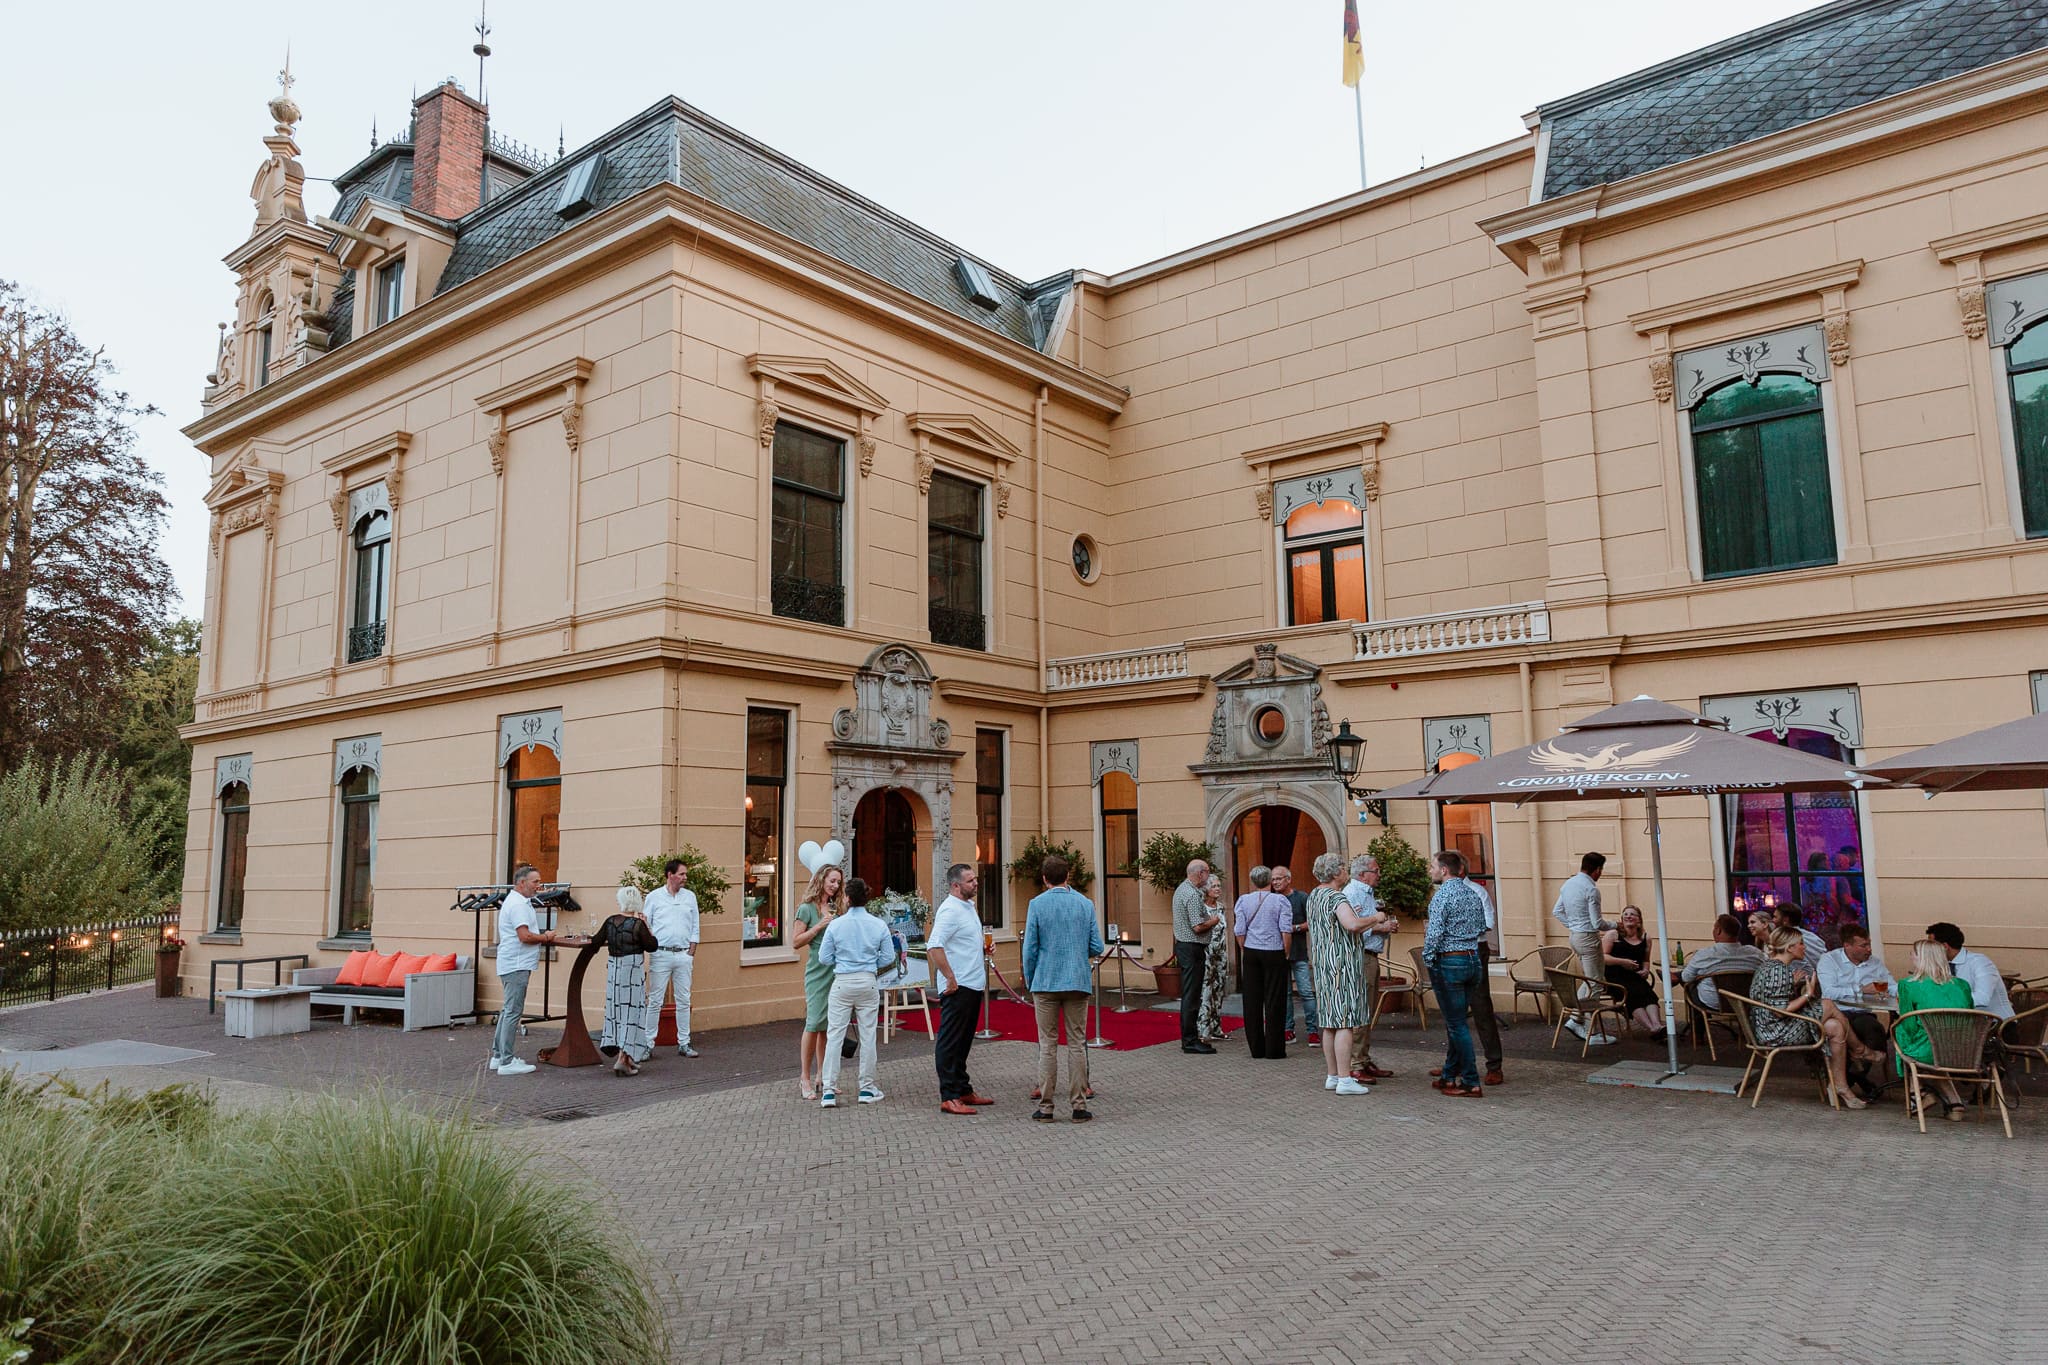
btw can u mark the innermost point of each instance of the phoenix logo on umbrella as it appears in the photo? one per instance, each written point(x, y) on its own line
point(1607, 758)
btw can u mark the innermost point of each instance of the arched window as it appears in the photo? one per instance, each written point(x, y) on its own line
point(371, 596)
point(1760, 470)
point(234, 854)
point(533, 784)
point(358, 849)
point(266, 324)
point(2026, 369)
point(1799, 848)
point(1119, 796)
point(1325, 555)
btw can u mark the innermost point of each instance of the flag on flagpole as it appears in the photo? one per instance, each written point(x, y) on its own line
point(1354, 51)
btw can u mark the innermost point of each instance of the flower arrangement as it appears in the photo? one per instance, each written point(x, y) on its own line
point(909, 905)
point(169, 943)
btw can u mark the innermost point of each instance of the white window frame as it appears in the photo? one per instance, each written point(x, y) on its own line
point(227, 771)
point(1100, 761)
point(390, 269)
point(362, 751)
point(849, 521)
point(1345, 483)
point(785, 855)
point(987, 490)
point(1005, 931)
point(2023, 299)
point(1713, 372)
point(514, 734)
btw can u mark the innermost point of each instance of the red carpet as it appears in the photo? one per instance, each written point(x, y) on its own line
point(1019, 1023)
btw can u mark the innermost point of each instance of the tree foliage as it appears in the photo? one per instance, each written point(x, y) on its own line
point(156, 701)
point(72, 853)
point(1164, 859)
point(1404, 886)
point(1024, 867)
point(82, 585)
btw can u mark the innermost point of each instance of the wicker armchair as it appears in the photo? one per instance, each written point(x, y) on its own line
point(1701, 1017)
point(2025, 1035)
point(1564, 992)
point(1739, 1011)
point(1399, 985)
point(1955, 1046)
point(1555, 956)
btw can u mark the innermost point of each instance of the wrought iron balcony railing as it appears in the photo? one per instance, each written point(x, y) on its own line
point(803, 599)
point(365, 642)
point(960, 629)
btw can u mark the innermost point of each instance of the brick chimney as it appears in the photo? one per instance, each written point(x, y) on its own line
point(448, 151)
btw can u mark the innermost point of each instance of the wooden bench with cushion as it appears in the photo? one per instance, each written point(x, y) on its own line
point(429, 999)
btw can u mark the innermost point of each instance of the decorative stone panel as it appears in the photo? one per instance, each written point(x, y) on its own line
point(2015, 305)
point(1456, 735)
point(364, 751)
point(533, 729)
point(1797, 350)
point(232, 769)
point(1832, 710)
point(1112, 756)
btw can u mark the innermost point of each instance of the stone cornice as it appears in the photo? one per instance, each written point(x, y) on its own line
point(1864, 129)
point(661, 213)
point(1805, 282)
point(274, 234)
point(1998, 236)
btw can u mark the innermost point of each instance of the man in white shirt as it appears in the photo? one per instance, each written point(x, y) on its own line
point(1727, 953)
point(1361, 892)
point(1987, 987)
point(520, 939)
point(1849, 976)
point(953, 947)
point(1578, 909)
point(672, 914)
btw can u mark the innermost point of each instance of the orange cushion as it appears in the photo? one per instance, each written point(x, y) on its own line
point(352, 970)
point(401, 964)
point(376, 968)
point(443, 963)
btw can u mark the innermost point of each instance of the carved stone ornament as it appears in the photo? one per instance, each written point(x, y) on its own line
point(495, 442)
point(925, 466)
point(1836, 330)
point(1319, 723)
point(2014, 306)
point(1456, 735)
point(1662, 385)
point(1002, 500)
point(337, 504)
point(1835, 711)
point(572, 426)
point(1265, 659)
point(1113, 756)
point(892, 704)
point(366, 751)
point(866, 446)
point(232, 769)
point(259, 512)
point(767, 415)
point(533, 730)
point(1797, 350)
point(371, 497)
point(1268, 681)
point(1348, 484)
point(889, 739)
point(1263, 496)
point(1970, 298)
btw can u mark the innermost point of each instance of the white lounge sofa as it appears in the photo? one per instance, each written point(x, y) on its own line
point(429, 999)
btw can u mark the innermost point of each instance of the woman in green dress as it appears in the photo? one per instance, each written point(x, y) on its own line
point(823, 901)
point(1336, 956)
point(1931, 986)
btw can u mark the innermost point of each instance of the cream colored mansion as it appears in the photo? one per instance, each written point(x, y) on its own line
point(668, 493)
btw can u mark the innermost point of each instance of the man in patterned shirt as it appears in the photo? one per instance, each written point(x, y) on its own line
point(1457, 922)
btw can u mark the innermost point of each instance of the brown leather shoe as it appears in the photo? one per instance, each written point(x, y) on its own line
point(1459, 1092)
point(978, 1098)
point(1495, 1078)
point(1378, 1073)
point(956, 1107)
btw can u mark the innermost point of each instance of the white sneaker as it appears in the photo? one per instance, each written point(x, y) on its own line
point(1346, 1086)
point(1576, 1027)
point(515, 1067)
point(1602, 1039)
point(495, 1063)
point(829, 1100)
point(1329, 1082)
point(871, 1095)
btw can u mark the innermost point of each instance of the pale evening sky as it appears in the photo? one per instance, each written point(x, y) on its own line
point(1092, 133)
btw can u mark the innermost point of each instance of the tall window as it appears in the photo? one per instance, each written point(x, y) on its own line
point(266, 313)
point(358, 849)
point(372, 554)
point(390, 290)
point(1468, 828)
point(1799, 848)
point(1325, 555)
point(533, 785)
point(1760, 461)
point(234, 853)
point(2026, 368)
point(807, 572)
point(954, 557)
point(989, 788)
point(1120, 852)
point(767, 824)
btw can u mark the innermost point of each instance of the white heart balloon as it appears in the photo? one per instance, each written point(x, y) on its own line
point(832, 855)
point(808, 853)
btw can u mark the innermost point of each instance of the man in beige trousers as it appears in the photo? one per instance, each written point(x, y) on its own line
point(1061, 940)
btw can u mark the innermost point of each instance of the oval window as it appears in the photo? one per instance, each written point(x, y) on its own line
point(1269, 725)
point(1086, 562)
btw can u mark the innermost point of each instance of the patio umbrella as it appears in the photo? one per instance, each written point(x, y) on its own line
point(2005, 757)
point(1644, 748)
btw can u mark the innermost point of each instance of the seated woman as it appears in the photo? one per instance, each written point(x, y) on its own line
point(1931, 986)
point(1630, 978)
point(1780, 983)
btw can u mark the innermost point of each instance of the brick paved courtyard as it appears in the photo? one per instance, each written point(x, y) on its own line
point(1227, 1210)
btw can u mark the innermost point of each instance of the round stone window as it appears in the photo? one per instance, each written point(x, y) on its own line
point(1269, 726)
point(1087, 559)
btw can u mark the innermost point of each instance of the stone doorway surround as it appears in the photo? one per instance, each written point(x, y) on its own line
point(1245, 767)
point(888, 739)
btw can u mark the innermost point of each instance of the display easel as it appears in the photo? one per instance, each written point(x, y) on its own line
point(479, 901)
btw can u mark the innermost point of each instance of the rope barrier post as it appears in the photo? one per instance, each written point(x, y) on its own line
point(1095, 1002)
point(1123, 1002)
point(988, 962)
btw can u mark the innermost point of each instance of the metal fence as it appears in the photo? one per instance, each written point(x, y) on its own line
point(44, 964)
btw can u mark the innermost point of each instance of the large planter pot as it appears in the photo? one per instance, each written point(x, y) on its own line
point(1167, 975)
point(167, 976)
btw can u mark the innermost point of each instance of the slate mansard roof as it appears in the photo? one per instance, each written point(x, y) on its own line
point(679, 144)
point(1799, 69)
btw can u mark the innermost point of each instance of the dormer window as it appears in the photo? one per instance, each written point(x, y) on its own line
point(390, 290)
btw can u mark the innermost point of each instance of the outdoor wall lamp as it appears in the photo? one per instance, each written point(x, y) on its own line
point(1347, 754)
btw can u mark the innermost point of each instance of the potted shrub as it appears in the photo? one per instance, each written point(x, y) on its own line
point(1024, 867)
point(168, 949)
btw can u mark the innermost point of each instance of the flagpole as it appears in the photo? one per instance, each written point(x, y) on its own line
point(1358, 103)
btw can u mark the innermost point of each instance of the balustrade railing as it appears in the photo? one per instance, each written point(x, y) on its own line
point(1447, 632)
point(1157, 664)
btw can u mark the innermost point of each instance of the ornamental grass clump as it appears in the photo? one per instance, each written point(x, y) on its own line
point(363, 1232)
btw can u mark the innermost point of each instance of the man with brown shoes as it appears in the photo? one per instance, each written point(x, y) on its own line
point(953, 947)
point(1360, 894)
